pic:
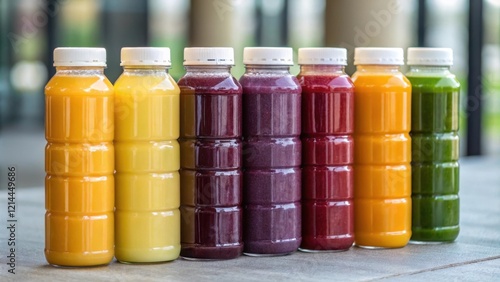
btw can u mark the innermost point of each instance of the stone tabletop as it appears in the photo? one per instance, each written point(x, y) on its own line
point(475, 256)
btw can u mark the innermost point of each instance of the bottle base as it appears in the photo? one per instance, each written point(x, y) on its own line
point(417, 242)
point(382, 240)
point(378, 247)
point(205, 259)
point(194, 253)
point(446, 234)
point(318, 244)
point(78, 266)
point(268, 248)
point(305, 250)
point(267, 255)
point(143, 262)
point(77, 260)
point(147, 255)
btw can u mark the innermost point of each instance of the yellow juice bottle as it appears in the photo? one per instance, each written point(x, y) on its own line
point(382, 150)
point(79, 160)
point(147, 187)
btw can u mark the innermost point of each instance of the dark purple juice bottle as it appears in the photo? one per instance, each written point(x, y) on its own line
point(328, 150)
point(271, 152)
point(210, 142)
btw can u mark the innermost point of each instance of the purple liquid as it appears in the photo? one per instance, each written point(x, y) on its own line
point(211, 178)
point(271, 158)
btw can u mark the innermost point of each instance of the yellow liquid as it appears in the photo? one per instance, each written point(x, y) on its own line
point(79, 161)
point(382, 179)
point(147, 213)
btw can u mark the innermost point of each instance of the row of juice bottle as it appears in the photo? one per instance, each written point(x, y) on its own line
point(211, 167)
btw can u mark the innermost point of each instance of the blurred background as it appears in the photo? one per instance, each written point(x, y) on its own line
point(31, 29)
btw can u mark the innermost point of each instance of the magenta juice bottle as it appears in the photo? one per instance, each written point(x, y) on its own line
point(271, 153)
point(327, 150)
point(210, 142)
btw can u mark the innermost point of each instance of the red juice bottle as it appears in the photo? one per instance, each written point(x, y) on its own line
point(272, 152)
point(327, 155)
point(210, 142)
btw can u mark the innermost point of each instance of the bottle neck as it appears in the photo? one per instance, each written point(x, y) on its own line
point(378, 68)
point(80, 70)
point(224, 69)
point(145, 69)
point(268, 69)
point(429, 69)
point(322, 69)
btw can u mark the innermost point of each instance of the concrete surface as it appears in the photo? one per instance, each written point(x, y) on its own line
point(475, 256)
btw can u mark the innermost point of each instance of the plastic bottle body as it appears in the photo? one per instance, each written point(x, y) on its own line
point(147, 165)
point(328, 156)
point(211, 177)
point(272, 159)
point(435, 154)
point(79, 162)
point(382, 181)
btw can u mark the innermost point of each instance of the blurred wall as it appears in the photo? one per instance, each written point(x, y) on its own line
point(374, 23)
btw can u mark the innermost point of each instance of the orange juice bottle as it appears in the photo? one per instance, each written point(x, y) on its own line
point(382, 150)
point(147, 163)
point(79, 160)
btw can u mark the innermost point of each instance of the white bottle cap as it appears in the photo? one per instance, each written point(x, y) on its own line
point(430, 56)
point(79, 57)
point(145, 56)
point(268, 56)
point(209, 56)
point(322, 56)
point(378, 56)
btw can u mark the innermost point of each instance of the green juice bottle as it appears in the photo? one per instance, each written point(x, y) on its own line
point(435, 145)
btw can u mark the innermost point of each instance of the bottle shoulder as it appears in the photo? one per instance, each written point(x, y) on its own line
point(380, 79)
point(272, 83)
point(215, 83)
point(447, 80)
point(325, 80)
point(79, 84)
point(134, 83)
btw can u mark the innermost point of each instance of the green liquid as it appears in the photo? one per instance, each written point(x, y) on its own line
point(435, 153)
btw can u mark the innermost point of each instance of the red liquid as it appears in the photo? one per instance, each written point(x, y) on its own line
point(271, 157)
point(211, 178)
point(327, 173)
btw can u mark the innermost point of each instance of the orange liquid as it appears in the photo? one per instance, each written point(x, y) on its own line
point(79, 161)
point(382, 178)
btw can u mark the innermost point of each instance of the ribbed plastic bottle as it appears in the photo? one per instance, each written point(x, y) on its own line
point(272, 152)
point(435, 145)
point(211, 177)
point(382, 154)
point(147, 160)
point(79, 160)
point(328, 150)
